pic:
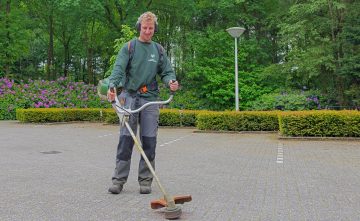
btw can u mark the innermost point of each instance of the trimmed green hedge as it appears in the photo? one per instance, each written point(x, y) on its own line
point(59, 114)
point(238, 121)
point(168, 117)
point(320, 123)
point(178, 118)
point(292, 123)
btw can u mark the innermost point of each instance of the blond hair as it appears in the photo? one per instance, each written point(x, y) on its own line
point(147, 16)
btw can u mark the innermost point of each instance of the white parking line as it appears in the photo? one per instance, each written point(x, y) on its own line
point(172, 141)
point(280, 153)
point(105, 135)
point(161, 145)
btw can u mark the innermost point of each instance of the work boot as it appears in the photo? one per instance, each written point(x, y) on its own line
point(145, 189)
point(115, 188)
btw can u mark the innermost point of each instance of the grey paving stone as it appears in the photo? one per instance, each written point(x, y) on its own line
point(62, 172)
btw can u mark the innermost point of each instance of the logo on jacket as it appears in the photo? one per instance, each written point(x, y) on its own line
point(152, 58)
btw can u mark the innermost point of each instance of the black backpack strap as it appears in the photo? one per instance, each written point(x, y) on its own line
point(131, 49)
point(161, 52)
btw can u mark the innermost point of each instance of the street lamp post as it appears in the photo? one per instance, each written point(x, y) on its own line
point(235, 32)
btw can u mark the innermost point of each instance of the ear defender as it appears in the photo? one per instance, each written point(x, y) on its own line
point(138, 27)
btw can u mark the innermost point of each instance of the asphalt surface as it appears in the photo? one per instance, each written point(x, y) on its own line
point(63, 171)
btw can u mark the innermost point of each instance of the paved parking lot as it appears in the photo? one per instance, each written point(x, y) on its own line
point(62, 172)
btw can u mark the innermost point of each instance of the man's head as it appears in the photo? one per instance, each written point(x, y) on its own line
point(147, 26)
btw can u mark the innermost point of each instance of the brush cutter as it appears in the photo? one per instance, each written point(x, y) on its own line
point(172, 211)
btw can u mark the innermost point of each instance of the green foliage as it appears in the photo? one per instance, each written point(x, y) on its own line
point(216, 73)
point(168, 117)
point(350, 68)
point(293, 100)
point(111, 117)
point(14, 35)
point(320, 123)
point(184, 99)
point(178, 118)
point(46, 94)
point(36, 115)
point(287, 45)
point(292, 123)
point(127, 34)
point(7, 108)
point(238, 121)
point(314, 48)
point(216, 79)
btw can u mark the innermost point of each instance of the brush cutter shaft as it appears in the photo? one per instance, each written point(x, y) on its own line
point(170, 201)
point(121, 112)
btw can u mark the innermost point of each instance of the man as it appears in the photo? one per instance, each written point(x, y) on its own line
point(136, 75)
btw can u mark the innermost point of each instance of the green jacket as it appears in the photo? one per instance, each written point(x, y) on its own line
point(142, 70)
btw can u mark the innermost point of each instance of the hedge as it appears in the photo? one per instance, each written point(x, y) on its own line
point(59, 114)
point(320, 123)
point(238, 121)
point(291, 123)
point(168, 117)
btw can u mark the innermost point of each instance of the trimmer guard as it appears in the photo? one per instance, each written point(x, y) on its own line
point(160, 203)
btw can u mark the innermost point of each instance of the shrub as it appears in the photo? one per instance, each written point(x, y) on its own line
point(59, 114)
point(178, 118)
point(320, 123)
point(61, 93)
point(238, 121)
point(294, 100)
point(108, 115)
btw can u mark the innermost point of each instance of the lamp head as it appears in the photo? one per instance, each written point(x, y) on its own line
point(235, 32)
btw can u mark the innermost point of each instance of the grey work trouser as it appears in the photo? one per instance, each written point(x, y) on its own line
point(148, 120)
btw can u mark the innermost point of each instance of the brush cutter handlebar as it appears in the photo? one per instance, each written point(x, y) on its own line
point(127, 111)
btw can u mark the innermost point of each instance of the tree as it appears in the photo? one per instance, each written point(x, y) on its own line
point(313, 47)
point(350, 63)
point(14, 36)
point(43, 12)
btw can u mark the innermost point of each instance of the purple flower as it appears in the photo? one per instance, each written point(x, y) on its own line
point(9, 84)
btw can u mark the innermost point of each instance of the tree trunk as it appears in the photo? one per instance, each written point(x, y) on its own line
point(90, 56)
point(89, 64)
point(336, 17)
point(8, 39)
point(66, 45)
point(50, 55)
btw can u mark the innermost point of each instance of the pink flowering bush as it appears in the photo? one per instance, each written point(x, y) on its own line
point(61, 93)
